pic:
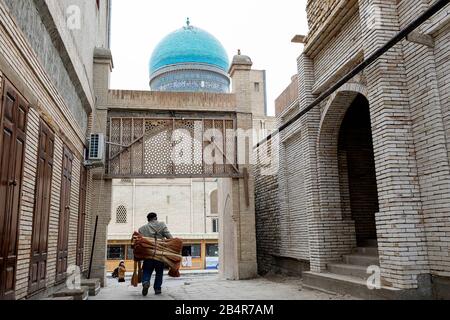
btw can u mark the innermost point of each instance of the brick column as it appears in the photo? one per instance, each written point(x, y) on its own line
point(401, 239)
point(245, 212)
point(101, 203)
point(308, 141)
point(240, 234)
point(431, 144)
point(100, 199)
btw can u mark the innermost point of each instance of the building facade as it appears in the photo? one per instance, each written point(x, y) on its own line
point(364, 177)
point(189, 207)
point(46, 82)
point(146, 131)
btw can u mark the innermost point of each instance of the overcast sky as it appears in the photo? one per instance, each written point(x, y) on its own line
point(262, 29)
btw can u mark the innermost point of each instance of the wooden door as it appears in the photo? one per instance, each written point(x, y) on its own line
point(81, 217)
point(64, 217)
point(13, 117)
point(39, 244)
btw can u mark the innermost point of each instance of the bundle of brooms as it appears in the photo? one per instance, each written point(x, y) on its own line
point(166, 251)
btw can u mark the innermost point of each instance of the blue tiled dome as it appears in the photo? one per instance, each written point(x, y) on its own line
point(189, 45)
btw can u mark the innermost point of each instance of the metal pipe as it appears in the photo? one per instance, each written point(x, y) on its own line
point(92, 249)
point(363, 65)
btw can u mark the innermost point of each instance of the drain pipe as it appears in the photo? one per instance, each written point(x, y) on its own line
point(93, 247)
point(435, 8)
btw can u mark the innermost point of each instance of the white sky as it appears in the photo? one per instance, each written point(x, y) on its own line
point(262, 29)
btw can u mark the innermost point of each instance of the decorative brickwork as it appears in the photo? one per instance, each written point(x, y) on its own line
point(408, 94)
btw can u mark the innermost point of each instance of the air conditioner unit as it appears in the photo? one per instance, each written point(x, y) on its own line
point(96, 152)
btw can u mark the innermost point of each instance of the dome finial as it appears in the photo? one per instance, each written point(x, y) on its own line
point(188, 22)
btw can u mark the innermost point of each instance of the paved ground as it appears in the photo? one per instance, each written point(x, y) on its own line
point(211, 287)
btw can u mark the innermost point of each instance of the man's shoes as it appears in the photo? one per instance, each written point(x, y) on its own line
point(158, 292)
point(145, 287)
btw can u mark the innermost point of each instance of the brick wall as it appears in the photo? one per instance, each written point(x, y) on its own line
point(318, 11)
point(338, 52)
point(54, 211)
point(288, 97)
point(267, 210)
point(27, 204)
point(428, 111)
point(401, 237)
point(74, 211)
point(409, 108)
point(439, 219)
point(19, 62)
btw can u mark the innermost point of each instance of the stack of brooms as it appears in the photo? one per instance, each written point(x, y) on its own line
point(166, 251)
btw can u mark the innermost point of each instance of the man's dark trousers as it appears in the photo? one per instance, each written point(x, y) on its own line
point(148, 268)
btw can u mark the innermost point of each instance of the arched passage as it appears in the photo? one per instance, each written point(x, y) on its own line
point(356, 163)
point(346, 175)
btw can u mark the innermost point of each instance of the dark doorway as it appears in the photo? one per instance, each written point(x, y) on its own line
point(39, 242)
point(13, 118)
point(357, 170)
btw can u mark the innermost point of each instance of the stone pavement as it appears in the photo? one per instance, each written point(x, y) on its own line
point(212, 287)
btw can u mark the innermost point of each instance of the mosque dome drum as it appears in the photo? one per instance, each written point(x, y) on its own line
point(190, 60)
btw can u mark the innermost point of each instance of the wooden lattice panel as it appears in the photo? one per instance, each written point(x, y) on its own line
point(145, 147)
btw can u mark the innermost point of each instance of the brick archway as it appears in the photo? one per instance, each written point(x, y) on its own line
point(338, 227)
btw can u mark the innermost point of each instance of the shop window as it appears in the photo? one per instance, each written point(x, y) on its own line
point(212, 250)
point(194, 251)
point(116, 252)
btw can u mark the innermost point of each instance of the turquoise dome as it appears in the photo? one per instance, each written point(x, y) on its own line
point(189, 45)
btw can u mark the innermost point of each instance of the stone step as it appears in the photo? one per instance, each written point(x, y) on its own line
point(373, 251)
point(348, 270)
point(93, 285)
point(356, 287)
point(77, 294)
point(361, 260)
point(369, 243)
point(59, 298)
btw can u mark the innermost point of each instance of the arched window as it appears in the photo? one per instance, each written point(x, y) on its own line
point(214, 202)
point(121, 214)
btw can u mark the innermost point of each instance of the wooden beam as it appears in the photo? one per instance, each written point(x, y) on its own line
point(421, 38)
point(298, 38)
point(167, 176)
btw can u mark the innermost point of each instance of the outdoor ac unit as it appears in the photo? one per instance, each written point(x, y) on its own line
point(96, 147)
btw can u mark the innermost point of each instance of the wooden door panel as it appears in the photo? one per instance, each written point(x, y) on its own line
point(63, 237)
point(13, 113)
point(81, 217)
point(39, 249)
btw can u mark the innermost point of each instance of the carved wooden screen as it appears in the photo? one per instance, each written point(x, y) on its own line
point(146, 147)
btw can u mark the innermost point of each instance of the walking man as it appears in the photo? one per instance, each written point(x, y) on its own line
point(154, 229)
